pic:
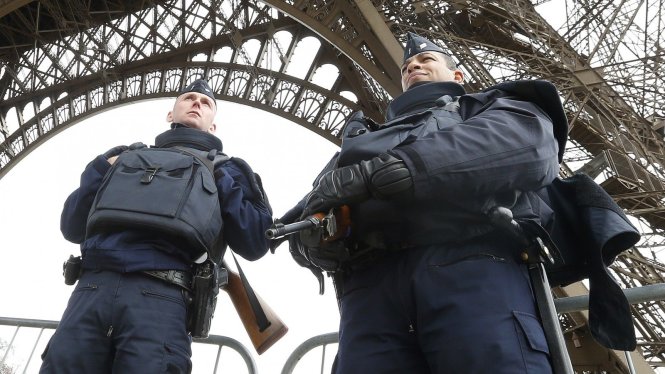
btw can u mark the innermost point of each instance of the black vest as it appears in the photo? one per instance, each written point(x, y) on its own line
point(416, 113)
point(169, 190)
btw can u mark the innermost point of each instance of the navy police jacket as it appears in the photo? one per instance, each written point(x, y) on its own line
point(245, 217)
point(499, 147)
point(467, 153)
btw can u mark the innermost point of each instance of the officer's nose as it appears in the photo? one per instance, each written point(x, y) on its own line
point(413, 65)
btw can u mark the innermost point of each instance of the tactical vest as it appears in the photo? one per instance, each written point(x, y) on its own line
point(561, 208)
point(388, 223)
point(168, 191)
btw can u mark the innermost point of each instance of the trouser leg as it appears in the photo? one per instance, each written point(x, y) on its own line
point(80, 343)
point(150, 327)
point(121, 323)
point(476, 313)
point(375, 334)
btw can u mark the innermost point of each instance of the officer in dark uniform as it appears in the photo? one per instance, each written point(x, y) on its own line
point(128, 313)
point(426, 283)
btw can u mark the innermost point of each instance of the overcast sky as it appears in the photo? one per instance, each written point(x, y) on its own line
point(287, 157)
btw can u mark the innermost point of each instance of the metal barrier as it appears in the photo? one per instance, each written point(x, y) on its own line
point(41, 325)
point(635, 295)
point(308, 345)
point(563, 305)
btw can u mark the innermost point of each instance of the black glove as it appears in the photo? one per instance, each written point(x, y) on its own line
point(298, 252)
point(381, 177)
point(115, 151)
point(327, 256)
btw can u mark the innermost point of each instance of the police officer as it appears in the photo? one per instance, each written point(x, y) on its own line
point(128, 313)
point(426, 283)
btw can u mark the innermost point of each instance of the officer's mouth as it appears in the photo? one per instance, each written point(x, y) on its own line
point(411, 79)
point(413, 76)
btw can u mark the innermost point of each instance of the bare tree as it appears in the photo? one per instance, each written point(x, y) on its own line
point(4, 367)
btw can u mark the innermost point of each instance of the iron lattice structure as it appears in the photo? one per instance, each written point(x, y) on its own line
point(63, 61)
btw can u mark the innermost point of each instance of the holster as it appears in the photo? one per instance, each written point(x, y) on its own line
point(208, 277)
point(71, 269)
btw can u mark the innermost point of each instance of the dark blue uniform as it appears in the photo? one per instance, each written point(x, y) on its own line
point(435, 288)
point(121, 320)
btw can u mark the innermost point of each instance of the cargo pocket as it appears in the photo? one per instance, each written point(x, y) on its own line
point(535, 351)
point(43, 356)
point(176, 361)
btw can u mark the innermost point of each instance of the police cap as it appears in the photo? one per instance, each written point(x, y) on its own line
point(417, 44)
point(201, 86)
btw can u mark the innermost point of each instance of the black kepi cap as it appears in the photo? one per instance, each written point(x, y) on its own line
point(416, 44)
point(200, 86)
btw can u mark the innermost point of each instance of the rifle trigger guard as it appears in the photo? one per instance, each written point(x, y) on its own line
point(329, 224)
point(222, 277)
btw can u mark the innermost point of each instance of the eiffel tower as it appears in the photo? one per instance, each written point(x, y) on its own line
point(66, 60)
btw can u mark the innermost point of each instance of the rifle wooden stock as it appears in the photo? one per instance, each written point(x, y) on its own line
point(262, 340)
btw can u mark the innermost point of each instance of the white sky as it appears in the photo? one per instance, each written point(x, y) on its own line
point(287, 157)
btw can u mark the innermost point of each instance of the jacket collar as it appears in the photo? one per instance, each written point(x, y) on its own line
point(422, 96)
point(186, 137)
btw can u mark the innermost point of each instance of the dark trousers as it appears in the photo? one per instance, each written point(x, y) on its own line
point(121, 323)
point(458, 310)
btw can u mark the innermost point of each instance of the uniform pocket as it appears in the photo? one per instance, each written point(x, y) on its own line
point(83, 287)
point(457, 258)
point(177, 360)
point(43, 356)
point(532, 340)
point(177, 298)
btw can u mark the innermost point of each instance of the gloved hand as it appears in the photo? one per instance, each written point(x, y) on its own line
point(327, 256)
point(115, 151)
point(381, 177)
point(298, 251)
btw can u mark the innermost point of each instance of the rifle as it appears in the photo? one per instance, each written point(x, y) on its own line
point(329, 227)
point(334, 225)
point(263, 329)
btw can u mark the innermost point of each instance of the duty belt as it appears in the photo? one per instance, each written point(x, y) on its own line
point(177, 277)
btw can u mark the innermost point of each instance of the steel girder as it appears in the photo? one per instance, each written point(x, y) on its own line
point(153, 52)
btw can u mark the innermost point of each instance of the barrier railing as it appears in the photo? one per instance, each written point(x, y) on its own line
point(563, 305)
point(33, 360)
point(307, 346)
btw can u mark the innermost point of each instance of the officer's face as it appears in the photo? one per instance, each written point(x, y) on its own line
point(428, 67)
point(194, 110)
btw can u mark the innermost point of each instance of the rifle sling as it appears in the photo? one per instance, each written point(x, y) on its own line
point(261, 319)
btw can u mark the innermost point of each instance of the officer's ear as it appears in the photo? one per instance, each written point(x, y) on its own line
point(459, 76)
point(169, 116)
point(212, 128)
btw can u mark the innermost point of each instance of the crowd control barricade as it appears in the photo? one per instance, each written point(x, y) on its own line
point(308, 346)
point(23, 340)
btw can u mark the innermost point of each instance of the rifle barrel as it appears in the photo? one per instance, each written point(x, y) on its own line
point(279, 230)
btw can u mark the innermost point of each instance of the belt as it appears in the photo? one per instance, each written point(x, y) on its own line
point(177, 277)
